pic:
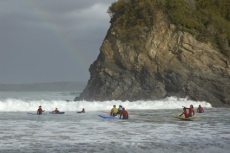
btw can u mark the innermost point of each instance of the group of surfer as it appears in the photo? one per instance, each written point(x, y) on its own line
point(40, 110)
point(124, 113)
point(191, 111)
point(119, 111)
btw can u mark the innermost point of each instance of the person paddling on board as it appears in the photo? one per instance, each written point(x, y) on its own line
point(124, 114)
point(39, 111)
point(191, 111)
point(200, 109)
point(185, 113)
point(83, 110)
point(55, 111)
point(114, 111)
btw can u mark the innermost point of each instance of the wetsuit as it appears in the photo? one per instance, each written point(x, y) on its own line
point(124, 114)
point(39, 111)
point(200, 109)
point(119, 110)
point(185, 113)
point(56, 111)
point(191, 112)
point(114, 111)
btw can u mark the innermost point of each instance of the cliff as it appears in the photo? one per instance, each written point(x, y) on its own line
point(158, 61)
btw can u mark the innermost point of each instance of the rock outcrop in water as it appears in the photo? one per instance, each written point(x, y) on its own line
point(164, 61)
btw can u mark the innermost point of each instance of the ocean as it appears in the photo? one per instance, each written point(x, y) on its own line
point(151, 127)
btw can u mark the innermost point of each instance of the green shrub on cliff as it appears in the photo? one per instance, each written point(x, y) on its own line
point(208, 20)
point(133, 18)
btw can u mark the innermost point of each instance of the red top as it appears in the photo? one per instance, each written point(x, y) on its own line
point(124, 112)
point(39, 110)
point(185, 113)
point(191, 110)
point(200, 108)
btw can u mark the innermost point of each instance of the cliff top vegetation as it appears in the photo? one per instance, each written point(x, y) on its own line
point(207, 20)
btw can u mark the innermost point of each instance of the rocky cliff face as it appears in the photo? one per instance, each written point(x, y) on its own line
point(165, 62)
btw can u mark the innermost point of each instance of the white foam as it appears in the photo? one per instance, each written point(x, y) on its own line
point(168, 103)
point(145, 132)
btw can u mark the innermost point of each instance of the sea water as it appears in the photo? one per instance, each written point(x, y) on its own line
point(149, 129)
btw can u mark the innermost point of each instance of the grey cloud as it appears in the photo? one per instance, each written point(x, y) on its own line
point(50, 40)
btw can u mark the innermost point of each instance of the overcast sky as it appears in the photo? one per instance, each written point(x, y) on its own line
point(50, 40)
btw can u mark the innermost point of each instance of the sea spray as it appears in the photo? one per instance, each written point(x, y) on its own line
point(11, 105)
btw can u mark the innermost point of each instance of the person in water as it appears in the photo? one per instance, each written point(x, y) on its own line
point(114, 111)
point(185, 113)
point(124, 114)
point(191, 111)
point(83, 110)
point(55, 111)
point(39, 111)
point(200, 109)
point(119, 109)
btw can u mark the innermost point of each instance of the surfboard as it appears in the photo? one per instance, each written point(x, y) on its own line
point(109, 117)
point(80, 112)
point(193, 117)
point(182, 118)
point(185, 119)
point(29, 113)
point(57, 112)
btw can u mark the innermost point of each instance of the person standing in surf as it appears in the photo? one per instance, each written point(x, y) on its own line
point(191, 111)
point(39, 111)
point(119, 109)
point(185, 113)
point(124, 114)
point(200, 109)
point(114, 111)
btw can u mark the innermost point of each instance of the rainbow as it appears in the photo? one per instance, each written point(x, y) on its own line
point(59, 34)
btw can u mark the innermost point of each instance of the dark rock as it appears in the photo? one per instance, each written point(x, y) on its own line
point(168, 62)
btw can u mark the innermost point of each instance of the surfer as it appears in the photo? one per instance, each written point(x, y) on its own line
point(83, 110)
point(114, 111)
point(191, 111)
point(124, 114)
point(185, 113)
point(39, 111)
point(55, 111)
point(119, 109)
point(200, 109)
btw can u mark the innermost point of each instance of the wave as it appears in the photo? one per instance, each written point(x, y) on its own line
point(15, 105)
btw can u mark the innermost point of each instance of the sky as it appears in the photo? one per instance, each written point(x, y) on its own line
point(50, 40)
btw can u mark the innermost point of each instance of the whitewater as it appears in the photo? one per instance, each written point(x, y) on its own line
point(149, 129)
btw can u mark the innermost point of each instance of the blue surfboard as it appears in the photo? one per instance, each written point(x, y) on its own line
point(57, 113)
point(109, 117)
